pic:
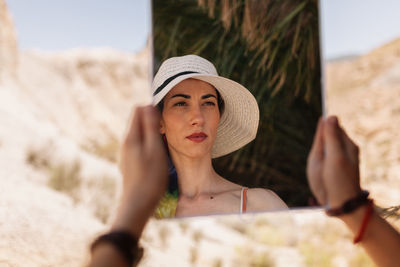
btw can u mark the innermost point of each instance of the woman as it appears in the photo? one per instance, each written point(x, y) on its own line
point(205, 116)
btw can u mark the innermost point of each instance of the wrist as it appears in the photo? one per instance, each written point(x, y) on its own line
point(352, 221)
point(354, 218)
point(121, 242)
point(132, 215)
point(349, 205)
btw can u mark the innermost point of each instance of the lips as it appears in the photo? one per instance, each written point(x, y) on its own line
point(197, 137)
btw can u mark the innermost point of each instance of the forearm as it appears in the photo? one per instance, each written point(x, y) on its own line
point(380, 240)
point(132, 214)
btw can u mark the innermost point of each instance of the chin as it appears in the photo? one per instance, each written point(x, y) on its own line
point(199, 152)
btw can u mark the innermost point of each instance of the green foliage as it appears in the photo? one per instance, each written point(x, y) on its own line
point(272, 48)
point(167, 206)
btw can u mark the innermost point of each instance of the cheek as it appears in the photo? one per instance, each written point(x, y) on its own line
point(214, 121)
point(171, 124)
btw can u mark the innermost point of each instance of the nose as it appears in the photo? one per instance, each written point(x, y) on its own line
point(196, 116)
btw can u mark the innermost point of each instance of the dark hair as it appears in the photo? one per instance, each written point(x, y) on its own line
point(220, 101)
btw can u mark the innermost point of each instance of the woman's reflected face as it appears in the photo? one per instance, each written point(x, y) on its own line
point(190, 118)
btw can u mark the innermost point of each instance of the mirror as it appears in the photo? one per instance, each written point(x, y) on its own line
point(70, 72)
point(360, 44)
point(272, 49)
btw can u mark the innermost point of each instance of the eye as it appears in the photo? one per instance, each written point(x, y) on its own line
point(209, 103)
point(180, 104)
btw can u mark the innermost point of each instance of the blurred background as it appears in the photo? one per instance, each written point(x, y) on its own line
point(70, 73)
point(361, 48)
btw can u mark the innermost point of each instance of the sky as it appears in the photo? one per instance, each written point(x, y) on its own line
point(55, 25)
point(350, 27)
point(355, 27)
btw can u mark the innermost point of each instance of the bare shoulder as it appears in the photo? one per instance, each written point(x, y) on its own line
point(259, 199)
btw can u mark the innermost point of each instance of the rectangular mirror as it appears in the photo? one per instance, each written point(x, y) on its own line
point(272, 49)
point(360, 44)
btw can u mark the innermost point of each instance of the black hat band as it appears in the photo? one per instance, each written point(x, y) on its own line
point(170, 79)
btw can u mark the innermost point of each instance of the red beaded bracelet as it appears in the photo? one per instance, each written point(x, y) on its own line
point(365, 221)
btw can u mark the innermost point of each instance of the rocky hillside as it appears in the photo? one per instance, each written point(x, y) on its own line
point(8, 41)
point(365, 93)
point(62, 116)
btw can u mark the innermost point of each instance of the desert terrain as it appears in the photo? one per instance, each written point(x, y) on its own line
point(64, 114)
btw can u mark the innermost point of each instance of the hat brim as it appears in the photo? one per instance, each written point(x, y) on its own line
point(239, 122)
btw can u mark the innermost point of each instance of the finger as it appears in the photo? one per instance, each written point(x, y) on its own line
point(333, 137)
point(317, 148)
point(151, 122)
point(135, 134)
point(351, 148)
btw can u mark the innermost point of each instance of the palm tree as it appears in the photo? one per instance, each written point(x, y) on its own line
point(272, 48)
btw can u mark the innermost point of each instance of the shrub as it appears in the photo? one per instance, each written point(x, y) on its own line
point(66, 178)
point(106, 150)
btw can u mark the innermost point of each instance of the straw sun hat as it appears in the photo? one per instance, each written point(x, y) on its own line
point(239, 121)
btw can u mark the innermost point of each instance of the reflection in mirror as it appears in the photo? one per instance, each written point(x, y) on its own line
point(263, 239)
point(272, 49)
point(70, 72)
point(361, 60)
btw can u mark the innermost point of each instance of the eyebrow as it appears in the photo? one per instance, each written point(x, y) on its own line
point(181, 95)
point(208, 96)
point(188, 96)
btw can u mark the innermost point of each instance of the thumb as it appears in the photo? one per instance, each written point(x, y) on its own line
point(317, 148)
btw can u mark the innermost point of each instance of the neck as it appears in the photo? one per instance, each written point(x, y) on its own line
point(196, 176)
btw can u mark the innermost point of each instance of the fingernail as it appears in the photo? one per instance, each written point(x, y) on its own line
point(333, 120)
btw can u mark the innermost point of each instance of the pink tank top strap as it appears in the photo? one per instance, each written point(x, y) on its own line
point(243, 200)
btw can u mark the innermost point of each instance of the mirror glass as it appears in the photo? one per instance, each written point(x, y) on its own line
point(272, 49)
point(361, 51)
point(70, 73)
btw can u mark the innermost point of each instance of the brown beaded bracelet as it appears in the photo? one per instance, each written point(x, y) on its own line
point(124, 242)
point(350, 205)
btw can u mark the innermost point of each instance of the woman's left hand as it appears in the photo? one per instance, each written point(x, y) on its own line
point(144, 170)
